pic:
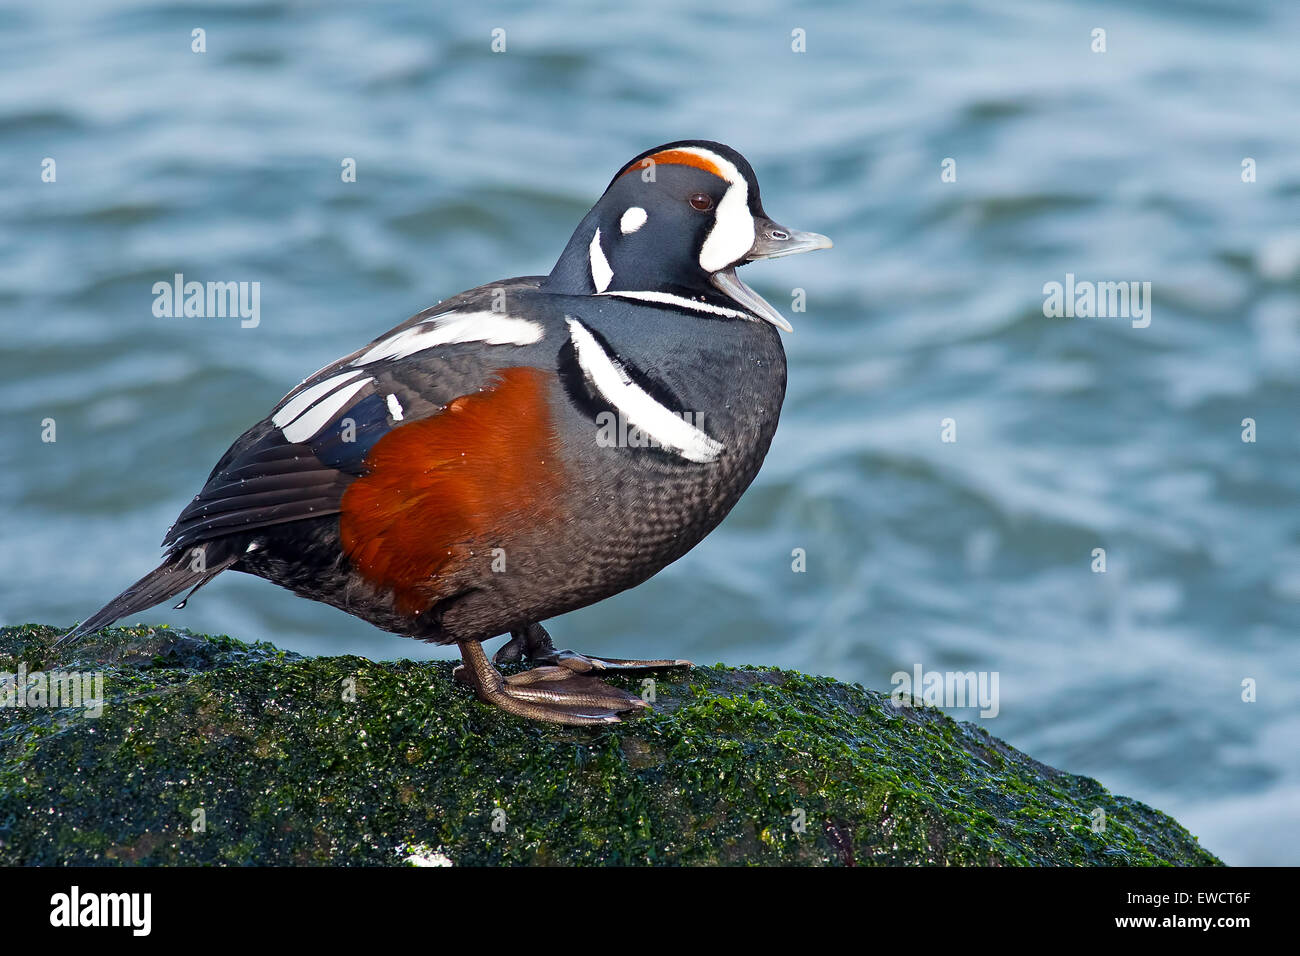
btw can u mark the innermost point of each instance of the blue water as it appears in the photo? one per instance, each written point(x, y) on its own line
point(1072, 434)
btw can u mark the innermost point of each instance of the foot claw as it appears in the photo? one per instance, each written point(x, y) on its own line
point(582, 663)
point(512, 650)
point(534, 643)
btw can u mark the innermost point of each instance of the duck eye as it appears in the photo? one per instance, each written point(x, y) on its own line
point(701, 201)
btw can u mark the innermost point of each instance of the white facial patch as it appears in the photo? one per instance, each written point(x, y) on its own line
point(601, 273)
point(490, 328)
point(632, 220)
point(314, 408)
point(733, 232)
point(670, 430)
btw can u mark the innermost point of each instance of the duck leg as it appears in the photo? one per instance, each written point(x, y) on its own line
point(533, 643)
point(555, 694)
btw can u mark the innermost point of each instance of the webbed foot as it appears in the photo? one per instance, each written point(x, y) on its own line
point(557, 694)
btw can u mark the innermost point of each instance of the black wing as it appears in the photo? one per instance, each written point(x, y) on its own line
point(298, 462)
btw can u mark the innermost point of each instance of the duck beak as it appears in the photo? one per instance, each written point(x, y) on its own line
point(729, 284)
point(771, 242)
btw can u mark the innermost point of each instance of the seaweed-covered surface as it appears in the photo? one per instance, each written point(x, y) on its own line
point(212, 751)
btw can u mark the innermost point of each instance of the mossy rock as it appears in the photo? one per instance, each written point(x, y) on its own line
point(286, 769)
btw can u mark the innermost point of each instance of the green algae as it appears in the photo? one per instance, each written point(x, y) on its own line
point(213, 751)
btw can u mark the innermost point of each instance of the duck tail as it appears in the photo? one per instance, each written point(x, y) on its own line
point(180, 570)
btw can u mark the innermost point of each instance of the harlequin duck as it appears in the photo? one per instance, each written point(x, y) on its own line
point(526, 448)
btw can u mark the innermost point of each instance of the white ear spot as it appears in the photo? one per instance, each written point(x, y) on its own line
point(601, 273)
point(632, 220)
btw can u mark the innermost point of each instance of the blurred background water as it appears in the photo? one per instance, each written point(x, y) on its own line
point(472, 166)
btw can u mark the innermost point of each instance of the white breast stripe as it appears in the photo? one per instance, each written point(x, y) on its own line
point(668, 298)
point(323, 412)
point(394, 407)
point(490, 328)
point(642, 411)
point(601, 273)
point(304, 400)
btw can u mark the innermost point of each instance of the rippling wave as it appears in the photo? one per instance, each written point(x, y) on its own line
point(1072, 434)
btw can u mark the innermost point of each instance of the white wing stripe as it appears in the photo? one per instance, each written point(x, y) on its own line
point(305, 399)
point(490, 328)
point(322, 413)
point(642, 411)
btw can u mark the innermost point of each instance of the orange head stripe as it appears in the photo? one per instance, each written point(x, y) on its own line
point(676, 157)
point(442, 487)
